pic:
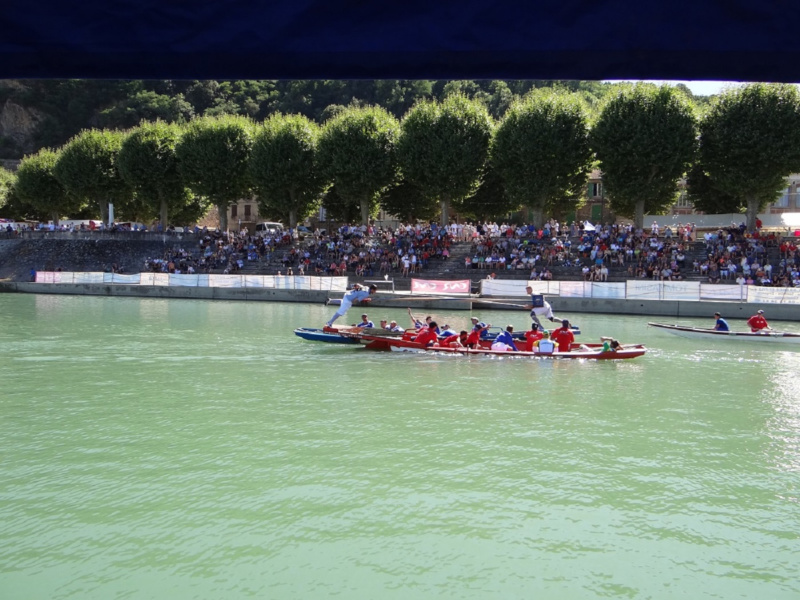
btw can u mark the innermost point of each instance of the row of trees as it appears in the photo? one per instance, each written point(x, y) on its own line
point(442, 155)
point(63, 108)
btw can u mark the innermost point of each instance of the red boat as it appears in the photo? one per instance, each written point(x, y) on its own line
point(378, 341)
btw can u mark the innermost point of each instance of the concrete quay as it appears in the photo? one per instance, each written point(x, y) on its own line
point(672, 309)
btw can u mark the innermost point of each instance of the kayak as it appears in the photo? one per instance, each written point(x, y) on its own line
point(771, 336)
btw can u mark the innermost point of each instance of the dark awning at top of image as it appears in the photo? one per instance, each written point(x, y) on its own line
point(312, 39)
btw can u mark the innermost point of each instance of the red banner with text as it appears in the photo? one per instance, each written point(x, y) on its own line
point(433, 286)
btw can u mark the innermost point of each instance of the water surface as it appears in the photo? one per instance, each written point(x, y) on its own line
point(197, 449)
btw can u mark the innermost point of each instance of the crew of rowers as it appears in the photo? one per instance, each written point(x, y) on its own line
point(537, 339)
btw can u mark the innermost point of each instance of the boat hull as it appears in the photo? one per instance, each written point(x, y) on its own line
point(698, 333)
point(319, 335)
point(579, 351)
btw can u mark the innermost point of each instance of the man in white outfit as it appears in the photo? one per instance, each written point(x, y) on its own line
point(357, 294)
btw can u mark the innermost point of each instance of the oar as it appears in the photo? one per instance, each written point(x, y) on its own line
point(572, 325)
point(503, 303)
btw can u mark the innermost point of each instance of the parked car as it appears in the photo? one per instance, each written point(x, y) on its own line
point(304, 232)
point(269, 228)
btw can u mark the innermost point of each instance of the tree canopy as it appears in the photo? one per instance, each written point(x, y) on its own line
point(357, 153)
point(149, 165)
point(749, 144)
point(541, 152)
point(87, 168)
point(444, 147)
point(283, 167)
point(213, 157)
point(37, 185)
point(645, 139)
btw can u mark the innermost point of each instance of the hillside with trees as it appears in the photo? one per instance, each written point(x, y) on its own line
point(167, 151)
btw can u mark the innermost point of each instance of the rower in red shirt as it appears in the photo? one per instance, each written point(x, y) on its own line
point(563, 337)
point(757, 322)
point(427, 337)
point(532, 336)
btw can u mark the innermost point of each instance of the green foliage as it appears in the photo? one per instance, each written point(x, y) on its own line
point(284, 169)
point(749, 144)
point(705, 196)
point(645, 140)
point(444, 147)
point(357, 154)
point(6, 183)
point(37, 186)
point(409, 203)
point(87, 168)
point(148, 163)
point(341, 210)
point(490, 202)
point(213, 157)
point(541, 152)
point(146, 106)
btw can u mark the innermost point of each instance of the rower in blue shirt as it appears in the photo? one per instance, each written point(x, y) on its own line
point(478, 325)
point(720, 324)
point(506, 337)
point(446, 331)
point(365, 322)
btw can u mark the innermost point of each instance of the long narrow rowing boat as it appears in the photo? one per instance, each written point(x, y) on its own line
point(406, 344)
point(779, 337)
point(320, 335)
point(579, 351)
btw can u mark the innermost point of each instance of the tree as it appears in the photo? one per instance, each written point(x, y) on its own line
point(408, 202)
point(541, 152)
point(149, 165)
point(87, 168)
point(6, 183)
point(283, 167)
point(213, 156)
point(37, 185)
point(491, 200)
point(339, 209)
point(443, 148)
point(645, 139)
point(357, 153)
point(750, 143)
point(147, 106)
point(705, 196)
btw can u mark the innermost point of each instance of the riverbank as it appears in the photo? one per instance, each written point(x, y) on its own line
point(672, 309)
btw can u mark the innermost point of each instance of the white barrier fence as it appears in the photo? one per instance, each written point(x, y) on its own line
point(284, 282)
point(644, 290)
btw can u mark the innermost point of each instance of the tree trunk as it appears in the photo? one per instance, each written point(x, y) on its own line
point(365, 211)
point(103, 204)
point(223, 216)
point(293, 218)
point(164, 214)
point(537, 211)
point(54, 217)
point(445, 203)
point(638, 215)
point(752, 213)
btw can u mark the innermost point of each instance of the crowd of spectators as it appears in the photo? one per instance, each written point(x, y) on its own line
point(584, 250)
point(579, 250)
point(735, 255)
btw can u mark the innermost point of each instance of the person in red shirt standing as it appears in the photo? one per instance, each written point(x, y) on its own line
point(532, 336)
point(563, 337)
point(757, 322)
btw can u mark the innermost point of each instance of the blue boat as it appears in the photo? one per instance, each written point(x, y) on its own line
point(319, 335)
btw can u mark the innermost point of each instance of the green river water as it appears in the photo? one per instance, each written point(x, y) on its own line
point(195, 449)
